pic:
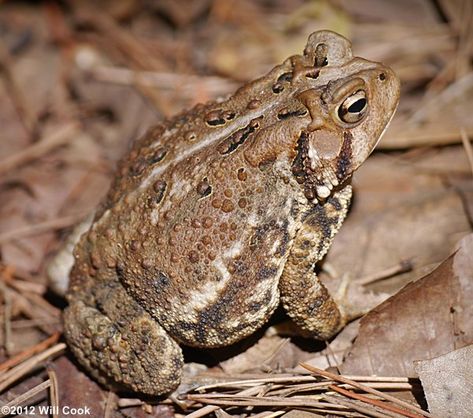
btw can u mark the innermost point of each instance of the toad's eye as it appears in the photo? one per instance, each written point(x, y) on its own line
point(353, 107)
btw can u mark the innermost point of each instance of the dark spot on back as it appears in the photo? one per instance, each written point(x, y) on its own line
point(159, 187)
point(233, 141)
point(284, 114)
point(161, 281)
point(219, 117)
point(157, 156)
point(204, 188)
point(266, 272)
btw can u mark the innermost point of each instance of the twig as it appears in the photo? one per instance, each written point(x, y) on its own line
point(132, 48)
point(402, 267)
point(443, 98)
point(375, 402)
point(359, 407)
point(110, 405)
point(32, 323)
point(6, 317)
point(202, 412)
point(253, 382)
point(22, 369)
point(366, 388)
point(235, 400)
point(42, 227)
point(211, 408)
point(60, 137)
point(383, 379)
point(214, 86)
point(27, 395)
point(467, 146)
point(267, 414)
point(135, 51)
point(22, 108)
point(33, 306)
point(54, 392)
point(11, 362)
point(129, 402)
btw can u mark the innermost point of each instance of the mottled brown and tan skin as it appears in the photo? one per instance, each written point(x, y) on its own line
point(221, 212)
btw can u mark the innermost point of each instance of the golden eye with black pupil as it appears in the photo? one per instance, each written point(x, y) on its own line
point(353, 107)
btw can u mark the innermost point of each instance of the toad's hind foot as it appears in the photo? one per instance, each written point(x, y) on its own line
point(140, 356)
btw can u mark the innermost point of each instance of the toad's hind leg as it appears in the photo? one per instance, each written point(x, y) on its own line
point(130, 352)
point(304, 297)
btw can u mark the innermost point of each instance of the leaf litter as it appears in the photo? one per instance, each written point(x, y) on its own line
point(78, 82)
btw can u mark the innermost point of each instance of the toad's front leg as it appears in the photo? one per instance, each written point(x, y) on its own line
point(303, 295)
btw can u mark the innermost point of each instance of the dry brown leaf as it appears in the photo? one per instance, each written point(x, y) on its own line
point(425, 319)
point(270, 352)
point(38, 193)
point(400, 212)
point(70, 379)
point(448, 383)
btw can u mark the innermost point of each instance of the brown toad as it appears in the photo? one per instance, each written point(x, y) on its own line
point(221, 212)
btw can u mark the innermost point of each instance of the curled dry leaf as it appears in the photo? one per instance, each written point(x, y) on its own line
point(270, 353)
point(428, 318)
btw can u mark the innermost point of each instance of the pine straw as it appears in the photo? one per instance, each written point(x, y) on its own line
point(268, 396)
point(320, 392)
point(26, 362)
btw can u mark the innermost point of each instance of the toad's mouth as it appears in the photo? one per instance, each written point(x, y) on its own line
point(318, 171)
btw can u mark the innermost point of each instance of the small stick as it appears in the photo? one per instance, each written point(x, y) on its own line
point(402, 267)
point(202, 412)
point(237, 400)
point(54, 392)
point(445, 97)
point(364, 409)
point(31, 308)
point(365, 388)
point(374, 402)
point(420, 138)
point(6, 316)
point(468, 147)
point(162, 80)
point(110, 405)
point(41, 227)
point(32, 323)
point(24, 368)
point(268, 414)
point(27, 395)
point(252, 382)
point(60, 137)
point(22, 107)
point(211, 408)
